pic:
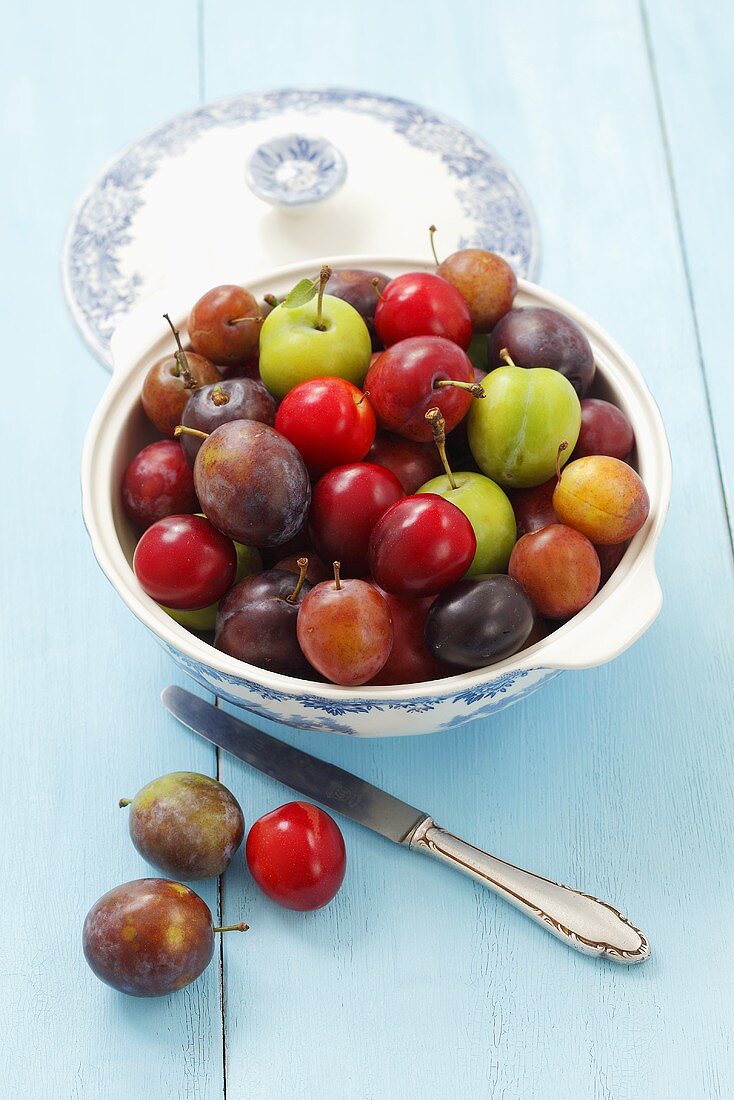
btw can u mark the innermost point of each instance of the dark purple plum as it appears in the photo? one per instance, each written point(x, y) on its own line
point(252, 483)
point(535, 336)
point(149, 937)
point(186, 824)
point(354, 285)
point(478, 621)
point(230, 399)
point(256, 621)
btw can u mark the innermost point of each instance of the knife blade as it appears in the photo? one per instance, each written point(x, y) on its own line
point(580, 920)
point(325, 783)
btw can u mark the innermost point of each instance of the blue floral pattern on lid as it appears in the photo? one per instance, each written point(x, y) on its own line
point(100, 290)
point(295, 170)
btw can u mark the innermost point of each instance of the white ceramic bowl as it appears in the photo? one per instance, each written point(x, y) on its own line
point(620, 612)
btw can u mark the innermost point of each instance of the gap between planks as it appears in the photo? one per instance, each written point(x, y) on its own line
point(660, 108)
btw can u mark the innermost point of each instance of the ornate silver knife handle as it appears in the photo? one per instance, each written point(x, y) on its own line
point(580, 920)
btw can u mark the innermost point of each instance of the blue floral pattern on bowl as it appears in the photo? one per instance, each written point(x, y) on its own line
point(376, 717)
point(295, 170)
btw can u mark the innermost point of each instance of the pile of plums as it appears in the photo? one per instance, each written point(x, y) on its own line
point(380, 481)
point(154, 936)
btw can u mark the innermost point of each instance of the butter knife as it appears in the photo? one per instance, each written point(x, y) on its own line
point(580, 920)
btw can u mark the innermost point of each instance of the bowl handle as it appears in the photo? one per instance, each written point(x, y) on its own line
point(612, 627)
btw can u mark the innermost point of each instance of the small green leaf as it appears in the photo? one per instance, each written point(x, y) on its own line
point(302, 292)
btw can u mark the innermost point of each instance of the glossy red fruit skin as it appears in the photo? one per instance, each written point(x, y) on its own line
point(533, 508)
point(184, 562)
point(410, 661)
point(211, 332)
point(158, 482)
point(346, 504)
point(297, 857)
point(420, 546)
point(421, 304)
point(412, 463)
point(329, 421)
point(402, 384)
point(125, 937)
point(558, 568)
point(346, 632)
point(605, 430)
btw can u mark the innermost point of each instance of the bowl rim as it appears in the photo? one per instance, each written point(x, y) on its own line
point(135, 347)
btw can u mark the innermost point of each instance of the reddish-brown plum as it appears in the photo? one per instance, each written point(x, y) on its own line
point(347, 503)
point(410, 661)
point(605, 430)
point(361, 289)
point(149, 937)
point(558, 568)
point(229, 399)
point(485, 281)
point(296, 855)
point(184, 562)
point(407, 379)
point(344, 629)
point(533, 508)
point(412, 463)
point(157, 483)
point(329, 421)
point(169, 383)
point(252, 483)
point(478, 621)
point(535, 336)
point(420, 546)
point(609, 559)
point(421, 304)
point(186, 824)
point(224, 325)
point(256, 622)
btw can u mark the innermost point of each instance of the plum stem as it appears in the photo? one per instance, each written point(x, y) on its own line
point(438, 424)
point(324, 276)
point(232, 928)
point(302, 564)
point(375, 284)
point(474, 388)
point(561, 448)
point(181, 429)
point(124, 802)
point(219, 397)
point(337, 579)
point(184, 370)
point(241, 320)
point(432, 234)
point(507, 358)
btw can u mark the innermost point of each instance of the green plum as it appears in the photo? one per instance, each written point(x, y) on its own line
point(248, 562)
point(324, 336)
point(490, 514)
point(516, 432)
point(186, 824)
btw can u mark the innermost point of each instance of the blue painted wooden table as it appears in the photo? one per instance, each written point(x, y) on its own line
point(414, 983)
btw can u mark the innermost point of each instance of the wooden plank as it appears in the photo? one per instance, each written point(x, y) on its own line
point(80, 677)
point(691, 49)
point(414, 982)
